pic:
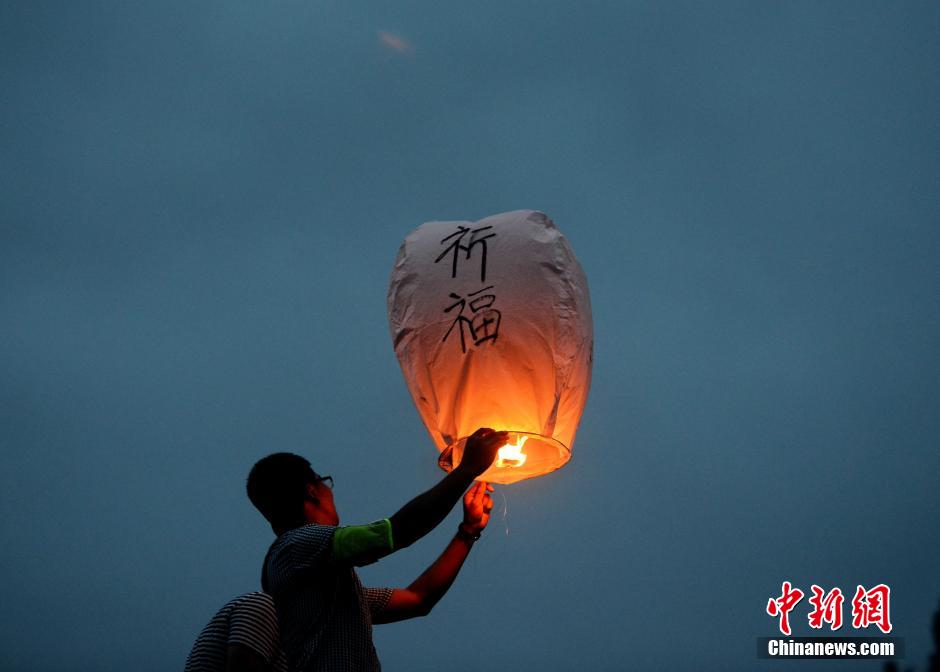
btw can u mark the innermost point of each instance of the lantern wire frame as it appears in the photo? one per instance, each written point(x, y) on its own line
point(543, 455)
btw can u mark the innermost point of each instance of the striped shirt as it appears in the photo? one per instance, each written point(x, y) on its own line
point(249, 620)
point(324, 612)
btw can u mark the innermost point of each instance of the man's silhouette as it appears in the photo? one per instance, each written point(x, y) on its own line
point(325, 614)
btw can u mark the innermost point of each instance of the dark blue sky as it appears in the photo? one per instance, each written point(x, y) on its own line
point(201, 204)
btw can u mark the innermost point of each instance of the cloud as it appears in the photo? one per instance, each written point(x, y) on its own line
point(395, 43)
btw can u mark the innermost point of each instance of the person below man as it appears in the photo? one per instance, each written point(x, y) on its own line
point(325, 614)
point(241, 637)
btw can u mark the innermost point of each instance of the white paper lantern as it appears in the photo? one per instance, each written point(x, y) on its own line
point(491, 323)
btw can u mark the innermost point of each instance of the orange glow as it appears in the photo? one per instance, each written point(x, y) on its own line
point(542, 455)
point(511, 454)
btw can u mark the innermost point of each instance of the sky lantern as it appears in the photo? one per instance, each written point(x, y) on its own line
point(491, 323)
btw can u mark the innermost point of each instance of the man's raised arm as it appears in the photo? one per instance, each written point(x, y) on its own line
point(363, 544)
point(423, 513)
point(424, 592)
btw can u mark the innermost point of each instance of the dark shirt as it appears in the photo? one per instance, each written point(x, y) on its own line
point(324, 613)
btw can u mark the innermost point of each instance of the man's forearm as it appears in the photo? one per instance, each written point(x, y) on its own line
point(425, 512)
point(437, 579)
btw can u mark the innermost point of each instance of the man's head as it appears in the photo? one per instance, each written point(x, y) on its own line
point(289, 493)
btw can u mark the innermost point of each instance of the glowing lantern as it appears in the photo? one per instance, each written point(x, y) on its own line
point(491, 322)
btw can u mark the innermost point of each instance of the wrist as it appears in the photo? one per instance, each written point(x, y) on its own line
point(468, 532)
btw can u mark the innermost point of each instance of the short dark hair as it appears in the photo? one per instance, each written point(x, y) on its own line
point(277, 486)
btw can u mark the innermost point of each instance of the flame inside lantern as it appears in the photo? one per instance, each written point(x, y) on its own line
point(511, 454)
point(542, 455)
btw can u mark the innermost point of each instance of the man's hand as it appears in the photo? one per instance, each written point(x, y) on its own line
point(420, 597)
point(423, 513)
point(480, 450)
point(477, 504)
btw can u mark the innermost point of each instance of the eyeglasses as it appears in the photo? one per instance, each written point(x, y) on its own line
point(326, 480)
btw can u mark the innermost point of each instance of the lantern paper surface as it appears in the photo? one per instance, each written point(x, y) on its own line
point(491, 323)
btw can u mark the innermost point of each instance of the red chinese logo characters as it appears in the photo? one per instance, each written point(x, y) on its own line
point(869, 607)
point(783, 605)
point(827, 608)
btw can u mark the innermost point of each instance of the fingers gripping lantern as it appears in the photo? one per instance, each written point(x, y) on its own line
point(491, 323)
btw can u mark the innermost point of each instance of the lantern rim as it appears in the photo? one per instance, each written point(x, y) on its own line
point(544, 454)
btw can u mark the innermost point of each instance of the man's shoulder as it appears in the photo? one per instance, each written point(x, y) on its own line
point(297, 550)
point(310, 534)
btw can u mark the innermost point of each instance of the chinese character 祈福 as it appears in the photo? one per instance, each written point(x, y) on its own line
point(458, 245)
point(484, 323)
